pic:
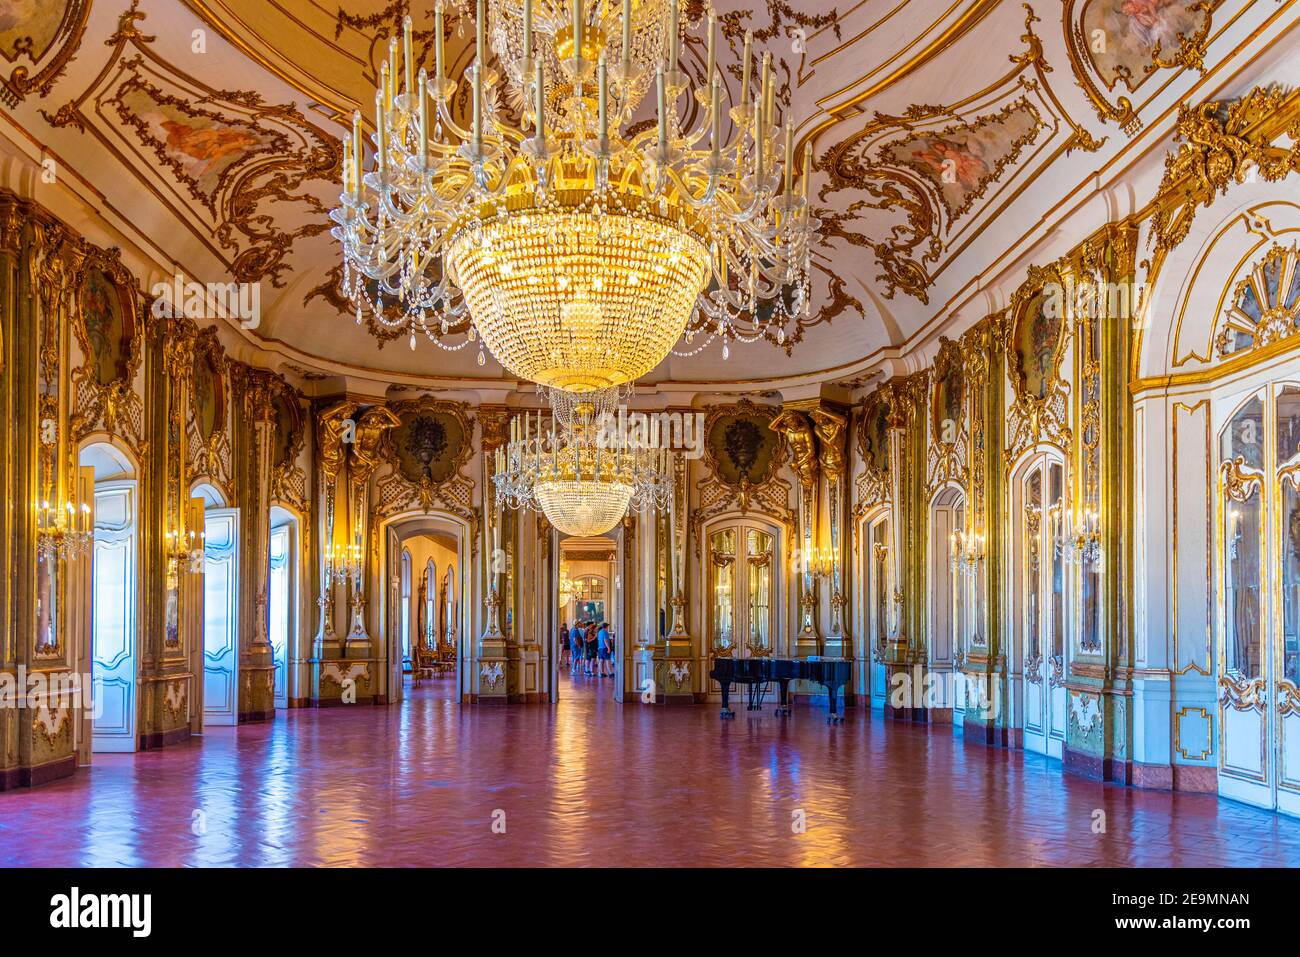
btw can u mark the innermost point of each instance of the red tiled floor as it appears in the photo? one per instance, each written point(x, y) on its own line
point(592, 782)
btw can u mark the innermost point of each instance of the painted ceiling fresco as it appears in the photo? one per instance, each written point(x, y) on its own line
point(945, 133)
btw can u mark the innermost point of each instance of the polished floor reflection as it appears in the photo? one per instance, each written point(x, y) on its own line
point(592, 782)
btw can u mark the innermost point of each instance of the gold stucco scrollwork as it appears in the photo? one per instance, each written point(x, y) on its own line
point(1221, 142)
point(1242, 694)
point(1034, 344)
point(1239, 480)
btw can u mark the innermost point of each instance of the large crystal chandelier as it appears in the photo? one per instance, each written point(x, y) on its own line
point(576, 252)
point(579, 475)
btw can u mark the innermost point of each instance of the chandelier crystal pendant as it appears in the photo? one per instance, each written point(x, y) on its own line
point(581, 478)
point(577, 253)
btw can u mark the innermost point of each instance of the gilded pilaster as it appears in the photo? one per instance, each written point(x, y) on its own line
point(168, 519)
point(1100, 674)
point(795, 426)
point(983, 663)
point(675, 654)
point(488, 670)
point(253, 445)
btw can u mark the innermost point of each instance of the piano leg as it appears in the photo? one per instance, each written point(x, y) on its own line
point(833, 693)
point(783, 707)
point(726, 701)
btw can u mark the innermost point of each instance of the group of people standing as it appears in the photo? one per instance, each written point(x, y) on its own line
point(587, 645)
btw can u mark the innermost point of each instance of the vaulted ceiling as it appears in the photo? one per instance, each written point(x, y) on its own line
point(949, 137)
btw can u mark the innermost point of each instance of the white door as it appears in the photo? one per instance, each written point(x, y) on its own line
point(1042, 608)
point(1257, 539)
point(113, 637)
point(221, 617)
point(878, 593)
point(281, 605)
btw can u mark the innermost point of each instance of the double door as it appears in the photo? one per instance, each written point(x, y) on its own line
point(743, 573)
point(1257, 543)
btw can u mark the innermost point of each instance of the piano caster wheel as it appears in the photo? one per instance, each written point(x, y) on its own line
point(728, 713)
point(782, 712)
point(834, 719)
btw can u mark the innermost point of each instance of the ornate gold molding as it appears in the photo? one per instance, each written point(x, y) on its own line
point(1221, 142)
point(1190, 54)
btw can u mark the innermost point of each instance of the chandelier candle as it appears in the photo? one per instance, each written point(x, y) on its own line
point(582, 255)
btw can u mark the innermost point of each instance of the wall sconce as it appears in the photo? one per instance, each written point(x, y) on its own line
point(1078, 546)
point(185, 549)
point(966, 552)
point(820, 562)
point(343, 564)
point(62, 532)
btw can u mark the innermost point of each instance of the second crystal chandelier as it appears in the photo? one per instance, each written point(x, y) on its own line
point(577, 252)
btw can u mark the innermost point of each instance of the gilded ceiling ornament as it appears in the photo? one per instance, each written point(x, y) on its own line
point(1221, 142)
point(1113, 43)
point(331, 291)
point(241, 163)
point(48, 37)
point(933, 177)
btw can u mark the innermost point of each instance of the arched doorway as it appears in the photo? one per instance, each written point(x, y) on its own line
point(220, 608)
point(1038, 610)
point(589, 567)
point(114, 586)
point(421, 641)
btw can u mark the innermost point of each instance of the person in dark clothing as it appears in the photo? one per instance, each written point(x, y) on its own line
point(590, 649)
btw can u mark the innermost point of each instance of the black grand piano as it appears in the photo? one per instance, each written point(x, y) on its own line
point(758, 674)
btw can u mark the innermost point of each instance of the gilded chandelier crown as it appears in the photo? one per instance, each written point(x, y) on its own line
point(577, 253)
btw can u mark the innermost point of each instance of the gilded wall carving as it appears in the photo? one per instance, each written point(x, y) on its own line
point(1220, 144)
point(743, 455)
point(872, 485)
point(208, 425)
point(1035, 342)
point(948, 452)
point(425, 453)
point(109, 331)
